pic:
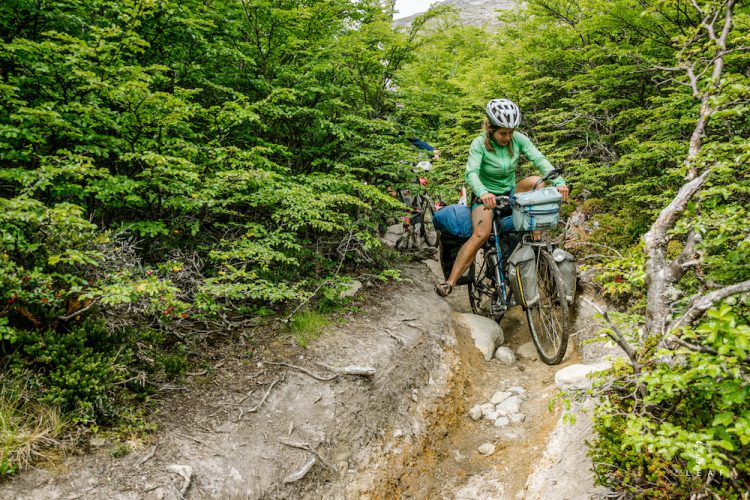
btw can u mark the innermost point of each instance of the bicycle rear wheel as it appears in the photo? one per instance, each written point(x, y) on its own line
point(549, 317)
point(428, 230)
point(484, 295)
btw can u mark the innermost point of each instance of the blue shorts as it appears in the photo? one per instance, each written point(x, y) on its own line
point(506, 223)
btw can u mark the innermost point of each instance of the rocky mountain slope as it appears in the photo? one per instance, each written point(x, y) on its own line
point(471, 12)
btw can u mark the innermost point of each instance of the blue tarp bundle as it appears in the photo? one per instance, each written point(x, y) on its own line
point(416, 141)
point(453, 219)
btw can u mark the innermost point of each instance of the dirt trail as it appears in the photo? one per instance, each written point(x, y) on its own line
point(253, 429)
point(449, 465)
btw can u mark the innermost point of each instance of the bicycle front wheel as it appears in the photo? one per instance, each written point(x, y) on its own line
point(482, 287)
point(428, 230)
point(549, 317)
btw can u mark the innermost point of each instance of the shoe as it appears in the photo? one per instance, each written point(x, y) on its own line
point(443, 289)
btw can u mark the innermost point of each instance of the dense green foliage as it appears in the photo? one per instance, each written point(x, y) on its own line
point(163, 162)
point(606, 91)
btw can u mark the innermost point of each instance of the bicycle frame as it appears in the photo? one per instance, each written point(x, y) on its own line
point(493, 245)
point(499, 274)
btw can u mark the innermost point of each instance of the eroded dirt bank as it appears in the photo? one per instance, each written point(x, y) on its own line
point(253, 429)
point(447, 463)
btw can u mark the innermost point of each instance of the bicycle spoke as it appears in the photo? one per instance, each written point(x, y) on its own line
point(483, 290)
point(548, 319)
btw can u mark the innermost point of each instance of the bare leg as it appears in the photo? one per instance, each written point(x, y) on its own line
point(527, 184)
point(481, 221)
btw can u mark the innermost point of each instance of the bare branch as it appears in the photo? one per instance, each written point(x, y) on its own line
point(316, 377)
point(347, 246)
point(256, 407)
point(148, 455)
point(307, 447)
point(700, 305)
point(688, 256)
point(296, 476)
point(727, 24)
point(657, 235)
point(79, 311)
point(692, 347)
point(591, 244)
point(362, 371)
point(618, 337)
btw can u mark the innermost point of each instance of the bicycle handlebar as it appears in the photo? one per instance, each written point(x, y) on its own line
point(553, 174)
point(502, 201)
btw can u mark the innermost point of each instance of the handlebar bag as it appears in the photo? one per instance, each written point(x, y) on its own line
point(568, 267)
point(522, 275)
point(537, 210)
point(454, 220)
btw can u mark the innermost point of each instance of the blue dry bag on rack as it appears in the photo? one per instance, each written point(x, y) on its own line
point(537, 210)
point(453, 219)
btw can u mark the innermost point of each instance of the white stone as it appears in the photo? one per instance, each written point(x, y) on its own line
point(500, 396)
point(487, 409)
point(517, 418)
point(392, 235)
point(493, 415)
point(486, 333)
point(505, 355)
point(484, 486)
point(519, 391)
point(486, 449)
point(502, 422)
point(509, 406)
point(352, 289)
point(528, 351)
point(398, 433)
point(476, 412)
point(576, 377)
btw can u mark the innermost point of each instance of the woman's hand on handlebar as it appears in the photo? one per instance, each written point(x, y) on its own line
point(563, 191)
point(488, 200)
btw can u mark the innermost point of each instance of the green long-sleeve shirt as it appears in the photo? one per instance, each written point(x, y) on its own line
point(495, 171)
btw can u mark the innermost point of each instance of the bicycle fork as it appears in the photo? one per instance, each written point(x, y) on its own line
point(502, 306)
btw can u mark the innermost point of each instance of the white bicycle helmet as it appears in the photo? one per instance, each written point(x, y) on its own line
point(503, 113)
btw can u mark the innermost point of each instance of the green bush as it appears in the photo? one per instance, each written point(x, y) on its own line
point(94, 375)
point(691, 430)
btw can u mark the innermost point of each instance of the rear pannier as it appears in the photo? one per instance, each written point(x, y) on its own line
point(522, 275)
point(537, 210)
point(448, 247)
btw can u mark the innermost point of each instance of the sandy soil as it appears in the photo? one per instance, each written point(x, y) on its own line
point(250, 428)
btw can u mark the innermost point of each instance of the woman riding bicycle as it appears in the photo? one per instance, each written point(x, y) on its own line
point(491, 172)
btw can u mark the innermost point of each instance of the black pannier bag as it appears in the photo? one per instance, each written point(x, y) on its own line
point(568, 267)
point(522, 276)
point(448, 247)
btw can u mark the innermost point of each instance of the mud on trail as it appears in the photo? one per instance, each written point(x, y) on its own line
point(313, 423)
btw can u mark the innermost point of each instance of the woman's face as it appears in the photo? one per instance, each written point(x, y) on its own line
point(503, 136)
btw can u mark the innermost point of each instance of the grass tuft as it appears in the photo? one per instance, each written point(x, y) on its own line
point(27, 429)
point(307, 326)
